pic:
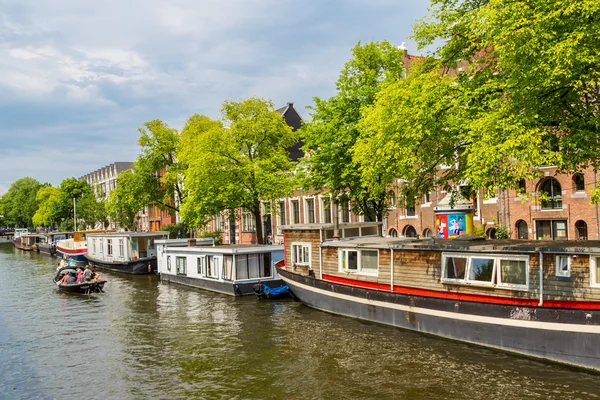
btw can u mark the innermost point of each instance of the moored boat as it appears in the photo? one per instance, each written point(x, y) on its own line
point(128, 252)
point(17, 235)
point(47, 242)
point(75, 248)
point(28, 242)
point(490, 293)
point(229, 269)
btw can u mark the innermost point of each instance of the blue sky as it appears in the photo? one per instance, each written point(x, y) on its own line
point(78, 77)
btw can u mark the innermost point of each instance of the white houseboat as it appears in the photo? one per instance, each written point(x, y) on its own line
point(129, 252)
point(230, 269)
point(537, 298)
point(75, 248)
point(47, 242)
point(17, 236)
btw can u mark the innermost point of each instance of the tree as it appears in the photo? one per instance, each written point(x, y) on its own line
point(19, 202)
point(531, 86)
point(333, 131)
point(124, 203)
point(88, 208)
point(46, 197)
point(237, 163)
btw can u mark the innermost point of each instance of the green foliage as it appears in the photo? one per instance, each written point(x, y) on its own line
point(236, 166)
point(216, 235)
point(19, 203)
point(529, 89)
point(46, 197)
point(333, 131)
point(124, 201)
point(176, 231)
point(479, 230)
point(501, 232)
point(89, 210)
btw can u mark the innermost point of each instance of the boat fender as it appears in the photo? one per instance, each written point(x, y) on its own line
point(149, 268)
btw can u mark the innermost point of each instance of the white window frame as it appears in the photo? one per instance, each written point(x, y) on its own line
point(121, 248)
point(301, 245)
point(359, 270)
point(109, 248)
point(292, 213)
point(324, 210)
point(177, 265)
point(306, 211)
point(168, 263)
point(94, 245)
point(594, 279)
point(248, 222)
point(496, 281)
point(214, 273)
point(559, 272)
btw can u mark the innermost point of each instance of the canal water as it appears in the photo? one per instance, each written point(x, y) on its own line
point(143, 339)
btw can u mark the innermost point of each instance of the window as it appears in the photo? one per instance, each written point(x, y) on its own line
point(109, 249)
point(295, 211)
point(393, 233)
point(94, 245)
point(345, 206)
point(578, 183)
point(551, 194)
point(326, 210)
point(207, 266)
point(427, 233)
point(359, 261)
point(581, 228)
point(227, 267)
point(168, 263)
point(409, 200)
point(392, 198)
point(310, 211)
point(121, 248)
point(301, 254)
point(511, 272)
point(522, 232)
point(595, 271)
point(551, 229)
point(563, 266)
point(253, 266)
point(180, 266)
point(219, 223)
point(247, 222)
point(282, 213)
point(410, 231)
point(522, 187)
point(427, 198)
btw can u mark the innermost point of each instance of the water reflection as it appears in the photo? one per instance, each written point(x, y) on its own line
point(147, 339)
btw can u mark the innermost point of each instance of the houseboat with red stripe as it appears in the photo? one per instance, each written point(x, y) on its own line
point(536, 298)
point(17, 236)
point(75, 248)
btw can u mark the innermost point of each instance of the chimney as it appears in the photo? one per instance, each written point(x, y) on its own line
point(191, 242)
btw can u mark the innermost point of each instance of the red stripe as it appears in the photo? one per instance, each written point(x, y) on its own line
point(71, 252)
point(465, 297)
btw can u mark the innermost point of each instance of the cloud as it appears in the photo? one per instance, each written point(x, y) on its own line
point(78, 77)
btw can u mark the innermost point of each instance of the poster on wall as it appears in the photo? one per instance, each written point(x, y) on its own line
point(441, 226)
point(456, 225)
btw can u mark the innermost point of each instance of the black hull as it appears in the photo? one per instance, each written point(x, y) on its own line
point(229, 288)
point(85, 288)
point(138, 267)
point(47, 249)
point(569, 336)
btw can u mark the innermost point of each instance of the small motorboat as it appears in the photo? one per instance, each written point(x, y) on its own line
point(94, 286)
point(265, 292)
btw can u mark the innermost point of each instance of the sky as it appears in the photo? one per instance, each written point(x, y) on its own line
point(79, 77)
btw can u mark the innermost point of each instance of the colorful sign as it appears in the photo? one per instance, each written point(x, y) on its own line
point(453, 225)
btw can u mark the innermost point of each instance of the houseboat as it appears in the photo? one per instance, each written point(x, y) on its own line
point(75, 248)
point(128, 252)
point(47, 242)
point(28, 242)
point(536, 298)
point(229, 269)
point(17, 235)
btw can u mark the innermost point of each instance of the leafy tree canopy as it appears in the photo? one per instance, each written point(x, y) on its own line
point(46, 197)
point(19, 203)
point(124, 203)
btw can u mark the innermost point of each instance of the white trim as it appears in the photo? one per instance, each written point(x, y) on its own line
point(293, 254)
point(559, 273)
point(594, 280)
point(305, 200)
point(359, 270)
point(520, 323)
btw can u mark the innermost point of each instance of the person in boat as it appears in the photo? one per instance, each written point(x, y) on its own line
point(79, 275)
point(87, 274)
point(68, 279)
point(95, 275)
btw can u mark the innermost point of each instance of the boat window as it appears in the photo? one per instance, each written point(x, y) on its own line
point(455, 267)
point(180, 265)
point(227, 267)
point(253, 266)
point(482, 270)
point(359, 261)
point(563, 266)
point(301, 254)
point(199, 265)
point(368, 260)
point(168, 263)
point(595, 271)
point(121, 248)
point(94, 245)
point(513, 272)
point(265, 265)
point(241, 266)
point(109, 249)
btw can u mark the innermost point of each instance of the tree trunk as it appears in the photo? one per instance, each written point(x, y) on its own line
point(336, 218)
point(258, 223)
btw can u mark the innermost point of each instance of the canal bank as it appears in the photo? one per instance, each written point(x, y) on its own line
point(144, 339)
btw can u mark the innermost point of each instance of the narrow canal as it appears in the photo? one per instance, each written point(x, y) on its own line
point(144, 339)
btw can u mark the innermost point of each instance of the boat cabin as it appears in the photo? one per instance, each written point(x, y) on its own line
point(29, 241)
point(230, 269)
point(123, 246)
